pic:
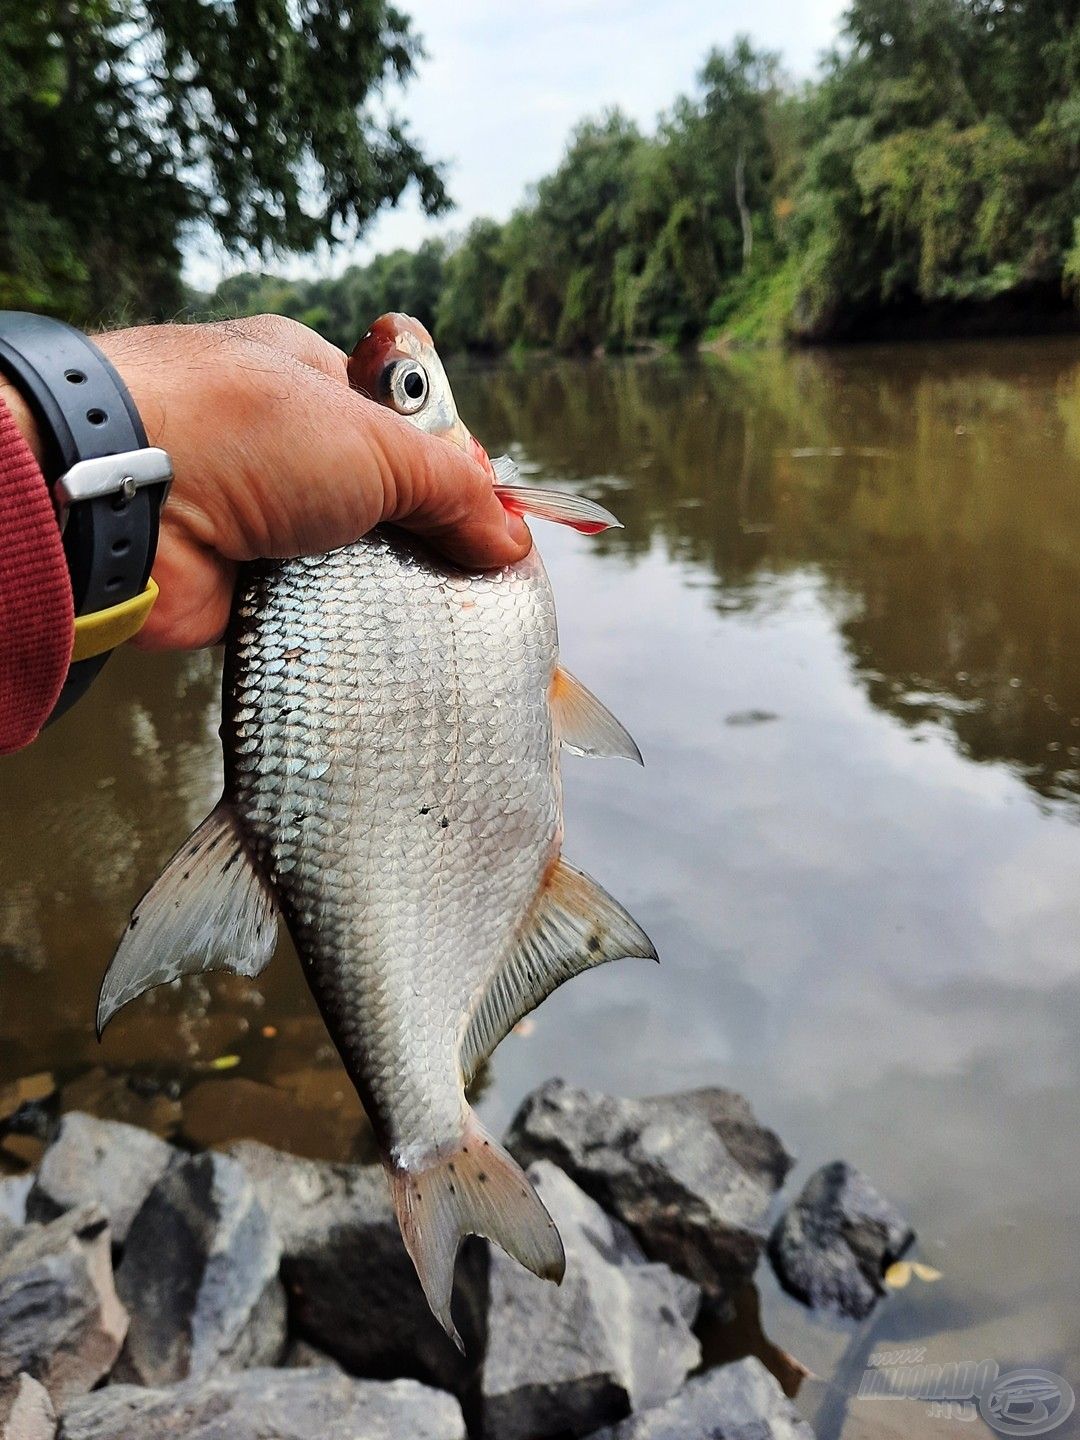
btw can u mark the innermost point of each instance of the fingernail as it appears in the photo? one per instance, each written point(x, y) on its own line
point(517, 529)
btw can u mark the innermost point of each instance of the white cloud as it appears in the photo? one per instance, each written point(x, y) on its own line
point(503, 86)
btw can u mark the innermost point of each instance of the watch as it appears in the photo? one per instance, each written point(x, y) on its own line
point(107, 484)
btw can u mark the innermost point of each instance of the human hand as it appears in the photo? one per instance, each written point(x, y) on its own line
point(274, 455)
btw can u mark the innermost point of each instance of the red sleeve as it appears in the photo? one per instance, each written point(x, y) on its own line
point(37, 623)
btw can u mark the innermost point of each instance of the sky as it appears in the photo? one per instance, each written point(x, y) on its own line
point(504, 84)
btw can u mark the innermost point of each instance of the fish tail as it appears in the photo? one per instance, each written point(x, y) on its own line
point(476, 1189)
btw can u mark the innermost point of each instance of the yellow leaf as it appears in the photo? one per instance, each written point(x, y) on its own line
point(925, 1272)
point(898, 1275)
point(224, 1062)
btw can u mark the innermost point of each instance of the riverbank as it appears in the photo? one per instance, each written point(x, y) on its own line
point(148, 1290)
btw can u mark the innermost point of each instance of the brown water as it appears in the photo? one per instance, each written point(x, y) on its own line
point(843, 622)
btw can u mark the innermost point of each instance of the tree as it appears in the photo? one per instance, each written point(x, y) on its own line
point(465, 313)
point(946, 167)
point(126, 125)
point(739, 87)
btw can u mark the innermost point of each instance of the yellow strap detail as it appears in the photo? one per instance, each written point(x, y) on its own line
point(102, 630)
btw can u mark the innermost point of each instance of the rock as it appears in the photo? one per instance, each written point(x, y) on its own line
point(60, 1319)
point(200, 1276)
point(352, 1288)
point(692, 1174)
point(22, 1101)
point(303, 1356)
point(268, 1405)
point(614, 1337)
point(105, 1161)
point(834, 1244)
point(26, 1412)
point(735, 1402)
point(13, 1192)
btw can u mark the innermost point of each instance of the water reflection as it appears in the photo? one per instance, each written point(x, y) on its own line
point(844, 578)
point(935, 490)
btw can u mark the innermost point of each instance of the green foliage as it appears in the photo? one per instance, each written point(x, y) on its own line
point(945, 163)
point(935, 162)
point(465, 311)
point(127, 124)
point(340, 308)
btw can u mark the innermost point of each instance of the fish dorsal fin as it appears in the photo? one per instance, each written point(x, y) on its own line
point(558, 505)
point(209, 909)
point(583, 724)
point(573, 925)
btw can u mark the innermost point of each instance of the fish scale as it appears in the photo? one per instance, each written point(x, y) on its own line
point(386, 896)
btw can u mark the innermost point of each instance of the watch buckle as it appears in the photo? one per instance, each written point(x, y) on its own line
point(123, 475)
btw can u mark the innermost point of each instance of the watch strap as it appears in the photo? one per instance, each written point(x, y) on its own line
point(84, 412)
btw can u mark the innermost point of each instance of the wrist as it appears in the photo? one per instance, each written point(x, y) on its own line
point(23, 417)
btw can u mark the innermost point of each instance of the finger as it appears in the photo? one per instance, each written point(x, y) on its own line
point(195, 589)
point(439, 492)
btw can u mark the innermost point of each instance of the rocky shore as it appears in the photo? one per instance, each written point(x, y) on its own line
point(247, 1293)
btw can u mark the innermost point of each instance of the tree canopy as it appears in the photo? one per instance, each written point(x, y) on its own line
point(127, 124)
point(933, 168)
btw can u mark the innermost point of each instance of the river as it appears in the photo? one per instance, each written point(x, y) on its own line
point(843, 623)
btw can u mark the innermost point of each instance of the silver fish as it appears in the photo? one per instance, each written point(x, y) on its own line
point(391, 733)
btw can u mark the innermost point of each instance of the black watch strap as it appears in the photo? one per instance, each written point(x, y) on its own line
point(109, 511)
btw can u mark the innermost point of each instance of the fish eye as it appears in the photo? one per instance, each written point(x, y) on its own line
point(407, 384)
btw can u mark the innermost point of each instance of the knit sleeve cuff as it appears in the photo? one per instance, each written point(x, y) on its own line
point(37, 622)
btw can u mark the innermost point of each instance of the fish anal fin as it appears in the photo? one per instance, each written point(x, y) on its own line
point(474, 1189)
point(209, 909)
point(583, 724)
point(573, 925)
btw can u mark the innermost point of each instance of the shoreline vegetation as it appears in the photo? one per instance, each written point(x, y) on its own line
point(926, 185)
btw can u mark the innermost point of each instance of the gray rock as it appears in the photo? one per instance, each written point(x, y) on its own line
point(692, 1174)
point(301, 1355)
point(200, 1277)
point(741, 1401)
point(268, 1405)
point(614, 1337)
point(60, 1319)
point(105, 1161)
point(835, 1242)
point(13, 1192)
point(352, 1288)
point(26, 1412)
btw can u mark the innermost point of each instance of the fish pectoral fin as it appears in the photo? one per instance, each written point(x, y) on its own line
point(583, 724)
point(505, 470)
point(558, 505)
point(209, 909)
point(573, 926)
point(475, 1189)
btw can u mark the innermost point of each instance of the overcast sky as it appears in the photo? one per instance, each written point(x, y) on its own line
point(504, 84)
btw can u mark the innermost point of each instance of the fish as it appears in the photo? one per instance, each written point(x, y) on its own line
point(391, 728)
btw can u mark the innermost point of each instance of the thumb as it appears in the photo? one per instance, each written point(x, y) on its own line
point(448, 498)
